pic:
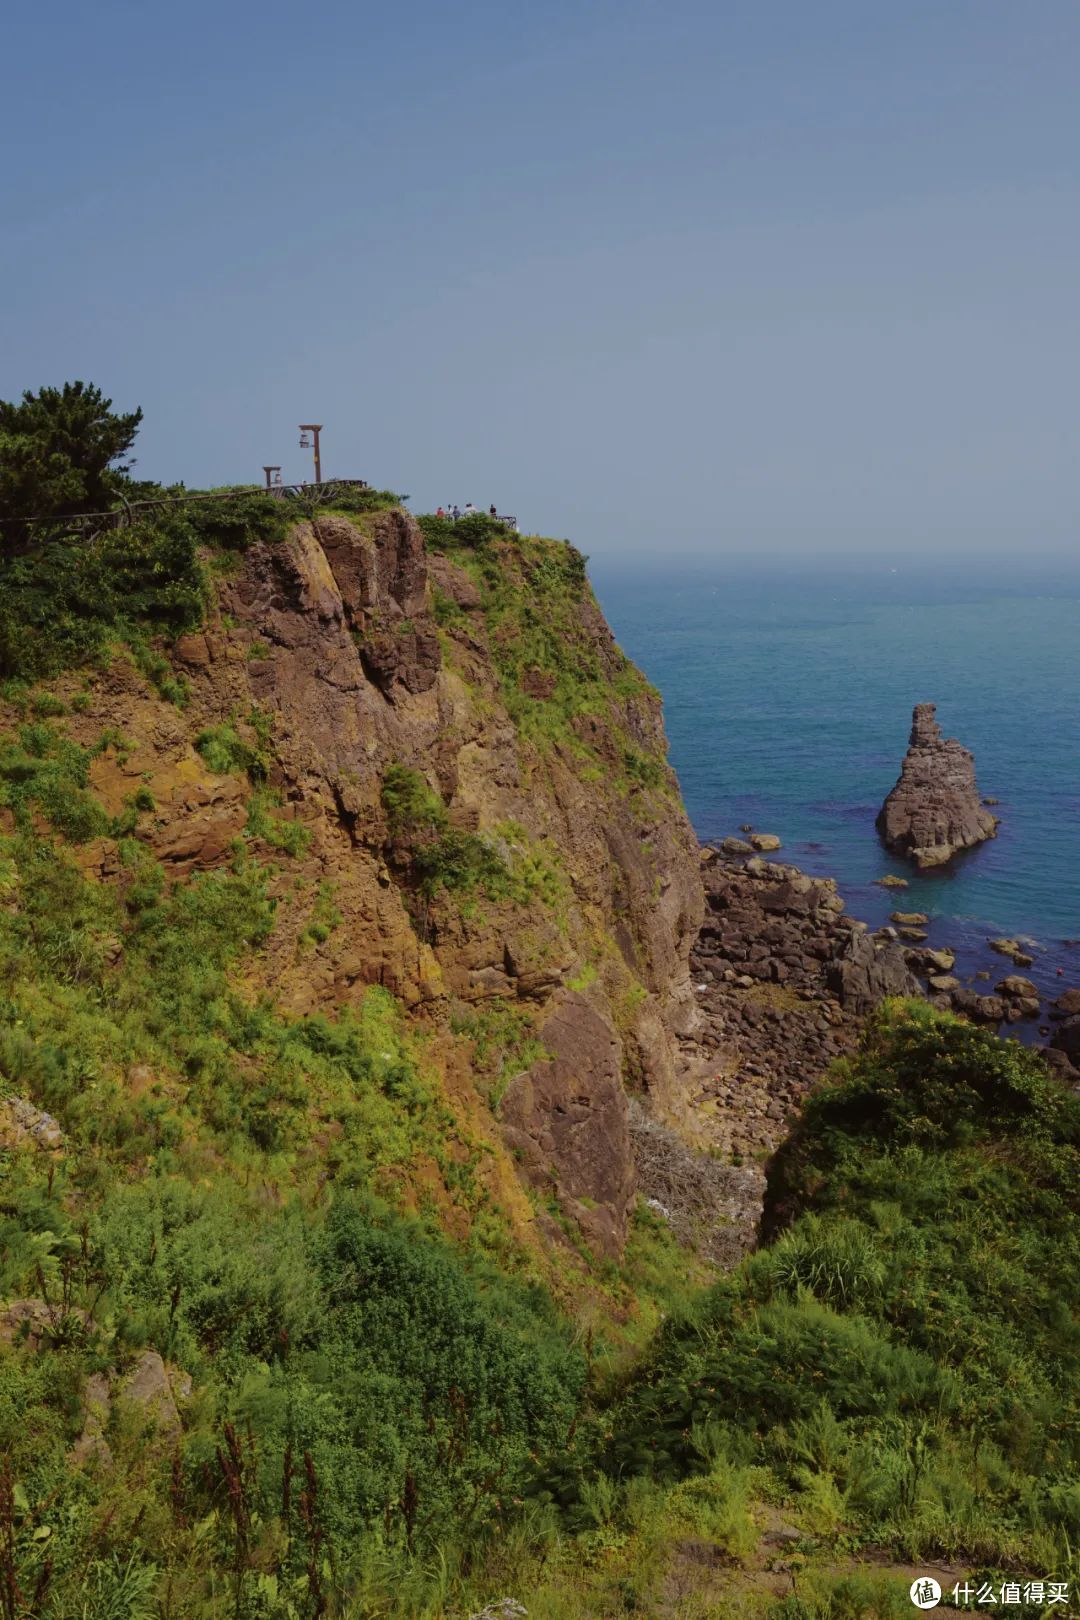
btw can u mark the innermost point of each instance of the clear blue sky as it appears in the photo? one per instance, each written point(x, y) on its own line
point(679, 277)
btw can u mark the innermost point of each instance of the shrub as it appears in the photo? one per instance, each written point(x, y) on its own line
point(442, 857)
point(461, 862)
point(923, 1292)
point(61, 606)
point(291, 837)
point(43, 769)
point(413, 809)
point(227, 753)
point(235, 518)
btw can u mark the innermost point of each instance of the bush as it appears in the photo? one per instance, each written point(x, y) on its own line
point(43, 769)
point(232, 519)
point(61, 606)
point(442, 857)
point(413, 809)
point(461, 862)
point(472, 533)
point(905, 1354)
point(227, 753)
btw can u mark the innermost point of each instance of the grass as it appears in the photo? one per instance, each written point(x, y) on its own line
point(401, 1380)
point(504, 1042)
point(903, 1357)
point(556, 675)
point(387, 1420)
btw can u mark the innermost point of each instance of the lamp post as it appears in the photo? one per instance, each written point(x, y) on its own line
point(271, 481)
point(313, 443)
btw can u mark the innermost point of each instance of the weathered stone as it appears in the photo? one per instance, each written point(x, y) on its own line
point(566, 1119)
point(980, 1009)
point(21, 1122)
point(910, 919)
point(1058, 1062)
point(151, 1386)
point(765, 843)
point(735, 846)
point(934, 810)
point(865, 971)
point(91, 1444)
point(1016, 986)
point(1066, 1005)
point(1067, 1039)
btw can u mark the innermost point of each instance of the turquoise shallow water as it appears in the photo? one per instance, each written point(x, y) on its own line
point(788, 703)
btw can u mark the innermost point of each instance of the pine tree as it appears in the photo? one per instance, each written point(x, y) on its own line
point(60, 453)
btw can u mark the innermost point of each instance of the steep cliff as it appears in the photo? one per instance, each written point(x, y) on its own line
point(460, 788)
point(346, 900)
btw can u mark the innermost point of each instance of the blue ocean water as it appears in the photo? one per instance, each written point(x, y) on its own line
point(788, 698)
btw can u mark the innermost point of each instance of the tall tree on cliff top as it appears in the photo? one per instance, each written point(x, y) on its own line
point(61, 452)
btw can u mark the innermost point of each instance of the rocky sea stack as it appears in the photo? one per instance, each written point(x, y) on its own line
point(934, 811)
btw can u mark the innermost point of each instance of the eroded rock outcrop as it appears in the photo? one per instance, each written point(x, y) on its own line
point(565, 1119)
point(349, 649)
point(784, 979)
point(935, 810)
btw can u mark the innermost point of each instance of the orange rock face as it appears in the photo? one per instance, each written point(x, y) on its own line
point(325, 651)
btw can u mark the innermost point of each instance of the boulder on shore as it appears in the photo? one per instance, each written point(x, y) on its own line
point(1067, 1004)
point(1067, 1039)
point(1015, 987)
point(866, 970)
point(735, 846)
point(934, 811)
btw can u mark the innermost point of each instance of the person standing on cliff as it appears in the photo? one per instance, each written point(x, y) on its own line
point(439, 512)
point(457, 514)
point(491, 510)
point(470, 509)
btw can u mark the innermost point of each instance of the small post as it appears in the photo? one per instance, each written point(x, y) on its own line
point(269, 479)
point(314, 428)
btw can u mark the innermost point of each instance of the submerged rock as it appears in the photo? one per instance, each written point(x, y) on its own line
point(934, 811)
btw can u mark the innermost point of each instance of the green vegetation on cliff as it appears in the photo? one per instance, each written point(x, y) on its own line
point(129, 564)
point(559, 668)
point(900, 1365)
point(271, 1344)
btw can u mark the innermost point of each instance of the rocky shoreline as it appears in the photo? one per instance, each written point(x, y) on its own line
point(784, 980)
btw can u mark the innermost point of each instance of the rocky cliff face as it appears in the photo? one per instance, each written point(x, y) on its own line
point(934, 811)
point(489, 674)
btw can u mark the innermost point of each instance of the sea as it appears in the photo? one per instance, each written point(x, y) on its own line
point(787, 701)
